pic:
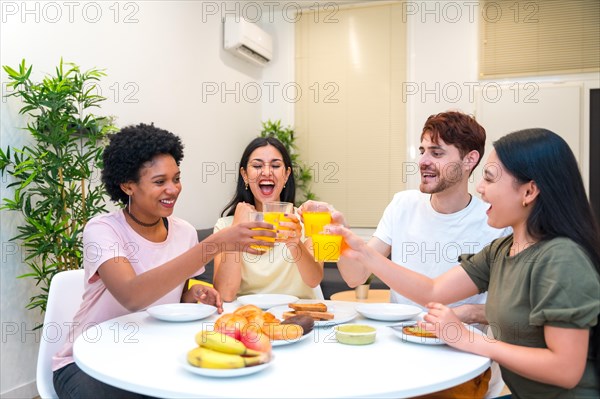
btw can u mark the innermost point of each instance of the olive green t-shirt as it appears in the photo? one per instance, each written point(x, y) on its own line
point(550, 283)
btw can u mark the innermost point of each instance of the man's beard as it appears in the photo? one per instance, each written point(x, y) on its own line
point(443, 182)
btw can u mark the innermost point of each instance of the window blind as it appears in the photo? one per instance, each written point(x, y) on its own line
point(528, 38)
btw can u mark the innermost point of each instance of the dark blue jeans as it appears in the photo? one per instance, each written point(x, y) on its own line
point(72, 383)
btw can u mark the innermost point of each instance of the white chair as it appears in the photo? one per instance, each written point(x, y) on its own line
point(318, 293)
point(64, 298)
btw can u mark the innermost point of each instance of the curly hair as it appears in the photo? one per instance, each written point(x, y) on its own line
point(457, 129)
point(129, 149)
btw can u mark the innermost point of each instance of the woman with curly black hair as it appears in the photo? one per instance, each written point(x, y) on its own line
point(141, 255)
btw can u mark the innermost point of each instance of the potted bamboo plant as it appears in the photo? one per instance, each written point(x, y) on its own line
point(55, 178)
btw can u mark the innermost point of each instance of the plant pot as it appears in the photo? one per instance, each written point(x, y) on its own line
point(362, 291)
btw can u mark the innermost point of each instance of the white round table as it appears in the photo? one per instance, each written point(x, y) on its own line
point(139, 353)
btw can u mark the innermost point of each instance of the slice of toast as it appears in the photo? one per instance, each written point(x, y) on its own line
point(315, 315)
point(312, 307)
point(418, 332)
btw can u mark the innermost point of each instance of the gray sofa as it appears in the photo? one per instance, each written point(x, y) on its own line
point(332, 280)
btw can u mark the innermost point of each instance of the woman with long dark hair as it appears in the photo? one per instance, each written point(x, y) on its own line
point(542, 281)
point(265, 175)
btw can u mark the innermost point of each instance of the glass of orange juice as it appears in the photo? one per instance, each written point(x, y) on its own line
point(314, 221)
point(260, 217)
point(327, 247)
point(274, 213)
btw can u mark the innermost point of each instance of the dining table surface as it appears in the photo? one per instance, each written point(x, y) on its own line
point(140, 353)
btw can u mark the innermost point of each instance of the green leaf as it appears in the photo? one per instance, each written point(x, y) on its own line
point(11, 72)
point(28, 73)
point(47, 175)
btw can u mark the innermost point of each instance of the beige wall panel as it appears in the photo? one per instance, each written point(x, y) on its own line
point(354, 142)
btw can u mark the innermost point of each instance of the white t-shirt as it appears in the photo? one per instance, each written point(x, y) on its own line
point(429, 242)
point(109, 236)
point(274, 272)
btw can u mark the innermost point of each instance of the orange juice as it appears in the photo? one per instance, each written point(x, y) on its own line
point(273, 218)
point(267, 239)
point(276, 217)
point(327, 247)
point(314, 222)
point(278, 208)
point(261, 217)
point(283, 229)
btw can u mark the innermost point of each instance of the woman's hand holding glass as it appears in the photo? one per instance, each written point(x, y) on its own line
point(290, 229)
point(242, 237)
point(276, 212)
point(245, 212)
point(262, 217)
point(242, 212)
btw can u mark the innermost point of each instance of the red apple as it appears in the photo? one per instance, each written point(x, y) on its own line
point(254, 338)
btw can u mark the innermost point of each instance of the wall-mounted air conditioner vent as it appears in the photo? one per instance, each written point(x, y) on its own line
point(246, 40)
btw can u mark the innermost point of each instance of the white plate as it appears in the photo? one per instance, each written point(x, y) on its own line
point(181, 311)
point(282, 342)
point(388, 311)
point(450, 332)
point(223, 373)
point(340, 315)
point(266, 301)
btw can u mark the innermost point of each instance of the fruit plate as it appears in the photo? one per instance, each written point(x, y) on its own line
point(388, 311)
point(450, 332)
point(266, 301)
point(340, 315)
point(283, 342)
point(181, 311)
point(223, 373)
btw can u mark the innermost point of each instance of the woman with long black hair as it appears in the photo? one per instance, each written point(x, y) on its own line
point(265, 175)
point(542, 281)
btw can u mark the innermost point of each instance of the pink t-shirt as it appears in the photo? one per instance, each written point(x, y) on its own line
point(109, 236)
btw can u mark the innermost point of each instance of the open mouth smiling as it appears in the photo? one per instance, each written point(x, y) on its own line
point(266, 187)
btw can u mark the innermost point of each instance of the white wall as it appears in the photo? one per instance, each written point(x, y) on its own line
point(442, 63)
point(160, 57)
point(280, 73)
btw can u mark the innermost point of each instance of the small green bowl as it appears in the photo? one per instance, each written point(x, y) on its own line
point(355, 334)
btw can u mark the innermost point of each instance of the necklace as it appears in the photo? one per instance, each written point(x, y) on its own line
point(139, 221)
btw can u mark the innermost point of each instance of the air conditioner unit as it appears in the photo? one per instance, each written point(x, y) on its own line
point(246, 40)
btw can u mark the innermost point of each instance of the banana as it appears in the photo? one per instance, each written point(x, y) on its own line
point(210, 359)
point(223, 343)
